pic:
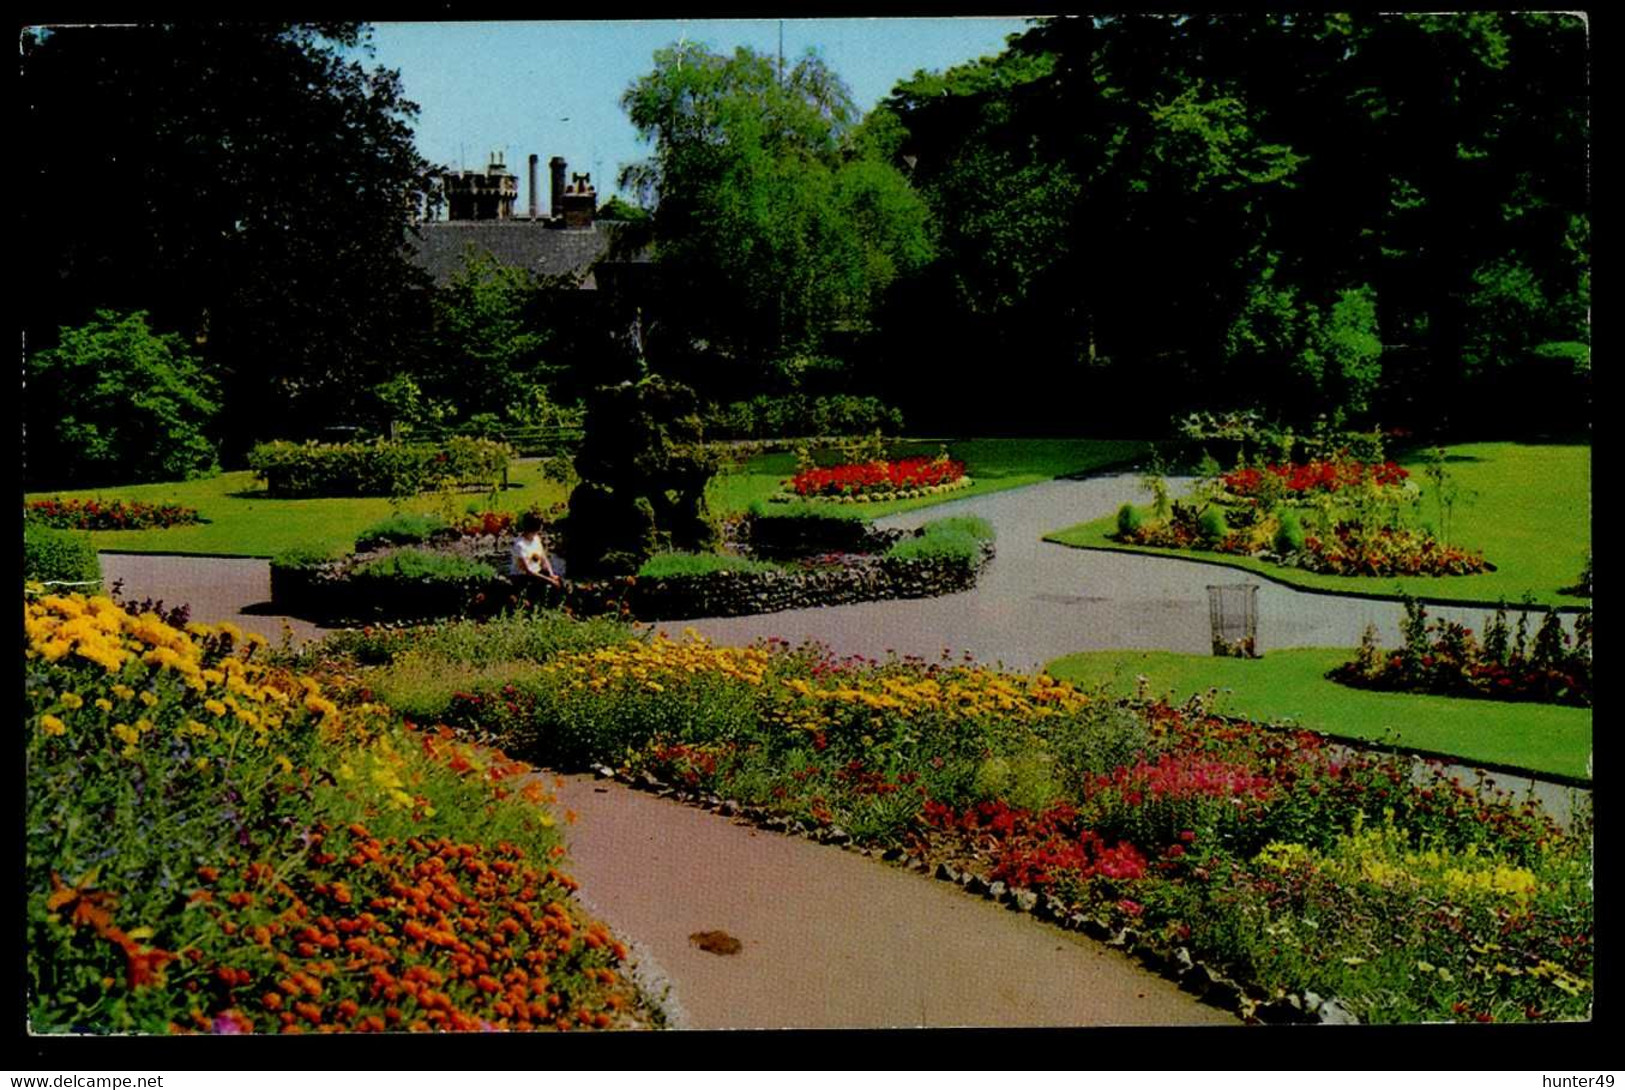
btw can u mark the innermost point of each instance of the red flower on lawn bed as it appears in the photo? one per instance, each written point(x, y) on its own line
point(1317, 476)
point(859, 479)
point(64, 514)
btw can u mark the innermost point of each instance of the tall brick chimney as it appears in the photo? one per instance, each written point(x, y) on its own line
point(556, 166)
point(535, 200)
point(580, 201)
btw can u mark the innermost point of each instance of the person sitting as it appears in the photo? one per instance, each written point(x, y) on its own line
point(528, 561)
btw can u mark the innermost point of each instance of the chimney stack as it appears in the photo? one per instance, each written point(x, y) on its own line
point(580, 202)
point(556, 165)
point(535, 200)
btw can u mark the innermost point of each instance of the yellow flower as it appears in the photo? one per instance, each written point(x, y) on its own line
point(72, 701)
point(50, 724)
point(215, 706)
point(126, 734)
point(148, 698)
point(284, 764)
point(124, 692)
point(104, 704)
point(231, 631)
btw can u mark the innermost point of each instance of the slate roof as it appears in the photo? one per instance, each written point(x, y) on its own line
point(526, 244)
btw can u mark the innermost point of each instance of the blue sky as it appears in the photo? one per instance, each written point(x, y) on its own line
point(554, 88)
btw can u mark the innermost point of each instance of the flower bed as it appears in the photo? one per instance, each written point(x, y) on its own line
point(1321, 476)
point(1350, 548)
point(1446, 658)
point(880, 479)
point(941, 558)
point(215, 845)
point(72, 514)
point(1285, 864)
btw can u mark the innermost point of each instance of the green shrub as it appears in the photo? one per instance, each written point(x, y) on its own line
point(1211, 524)
point(760, 509)
point(668, 565)
point(301, 558)
point(942, 545)
point(405, 528)
point(424, 566)
point(1129, 519)
point(974, 526)
point(381, 468)
point(115, 402)
point(768, 417)
point(1289, 534)
point(51, 556)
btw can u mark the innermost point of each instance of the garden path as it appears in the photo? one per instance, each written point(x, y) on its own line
point(1038, 600)
point(235, 589)
point(832, 939)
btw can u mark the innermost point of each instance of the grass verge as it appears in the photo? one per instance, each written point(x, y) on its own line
point(1528, 507)
point(244, 521)
point(993, 465)
point(1291, 685)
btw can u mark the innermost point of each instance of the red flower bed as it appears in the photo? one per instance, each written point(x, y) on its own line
point(1317, 476)
point(870, 478)
point(109, 514)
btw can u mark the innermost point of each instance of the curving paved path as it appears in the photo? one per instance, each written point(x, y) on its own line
point(1038, 601)
point(831, 939)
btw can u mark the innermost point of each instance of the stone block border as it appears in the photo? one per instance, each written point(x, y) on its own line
point(1209, 984)
point(325, 591)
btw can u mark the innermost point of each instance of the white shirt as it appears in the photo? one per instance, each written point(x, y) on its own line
point(528, 556)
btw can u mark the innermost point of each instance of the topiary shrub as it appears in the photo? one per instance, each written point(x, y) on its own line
point(57, 556)
point(1211, 525)
point(643, 474)
point(1289, 535)
point(1129, 519)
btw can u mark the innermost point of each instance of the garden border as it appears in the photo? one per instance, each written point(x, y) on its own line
point(1249, 1001)
point(1172, 554)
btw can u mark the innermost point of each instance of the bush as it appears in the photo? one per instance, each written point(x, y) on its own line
point(1212, 525)
point(54, 556)
point(424, 566)
point(1289, 535)
point(973, 525)
point(668, 565)
point(798, 415)
point(300, 558)
point(938, 545)
point(405, 528)
point(1129, 519)
point(115, 402)
point(380, 468)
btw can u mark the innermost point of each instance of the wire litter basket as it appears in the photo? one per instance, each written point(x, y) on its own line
point(1233, 610)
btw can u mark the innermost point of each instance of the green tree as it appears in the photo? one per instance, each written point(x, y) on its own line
point(250, 185)
point(488, 348)
point(114, 403)
point(773, 224)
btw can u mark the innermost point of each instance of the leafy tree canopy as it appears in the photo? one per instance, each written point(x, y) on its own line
point(773, 224)
point(250, 185)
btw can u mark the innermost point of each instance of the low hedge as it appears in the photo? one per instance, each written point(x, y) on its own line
point(406, 528)
point(57, 556)
point(797, 529)
point(380, 468)
point(767, 417)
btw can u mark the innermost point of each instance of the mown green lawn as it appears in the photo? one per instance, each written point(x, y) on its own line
point(1528, 507)
point(1292, 685)
point(243, 521)
point(992, 464)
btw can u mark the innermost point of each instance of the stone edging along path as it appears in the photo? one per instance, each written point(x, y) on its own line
point(1203, 982)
